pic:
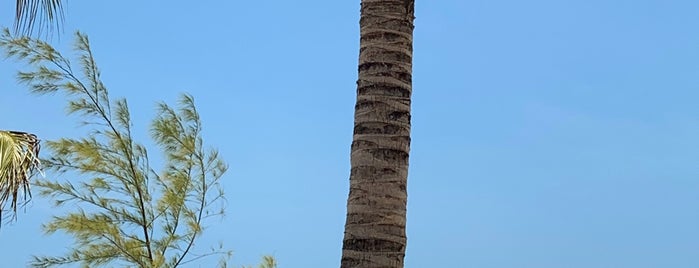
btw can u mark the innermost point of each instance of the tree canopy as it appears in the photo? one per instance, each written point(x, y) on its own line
point(122, 209)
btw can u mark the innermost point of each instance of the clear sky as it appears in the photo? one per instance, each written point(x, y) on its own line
point(546, 134)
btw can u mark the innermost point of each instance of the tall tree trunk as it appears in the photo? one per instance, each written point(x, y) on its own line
point(376, 207)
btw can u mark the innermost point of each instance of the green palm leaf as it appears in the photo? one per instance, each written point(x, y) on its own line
point(45, 13)
point(19, 160)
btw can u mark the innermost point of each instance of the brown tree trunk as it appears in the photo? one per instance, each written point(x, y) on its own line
point(376, 207)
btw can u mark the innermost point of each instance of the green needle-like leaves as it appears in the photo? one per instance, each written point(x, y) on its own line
point(120, 210)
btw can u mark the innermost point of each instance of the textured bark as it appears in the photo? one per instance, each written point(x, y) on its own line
point(376, 207)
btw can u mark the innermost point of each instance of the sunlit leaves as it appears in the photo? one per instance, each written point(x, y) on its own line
point(19, 159)
point(120, 208)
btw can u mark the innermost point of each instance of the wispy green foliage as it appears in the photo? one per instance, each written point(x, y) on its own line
point(268, 262)
point(122, 211)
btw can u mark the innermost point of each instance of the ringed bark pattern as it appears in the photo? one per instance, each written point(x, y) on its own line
point(376, 208)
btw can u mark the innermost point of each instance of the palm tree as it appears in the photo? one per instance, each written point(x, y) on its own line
point(47, 13)
point(376, 207)
point(19, 152)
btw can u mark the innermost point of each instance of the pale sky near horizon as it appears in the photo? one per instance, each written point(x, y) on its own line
point(546, 134)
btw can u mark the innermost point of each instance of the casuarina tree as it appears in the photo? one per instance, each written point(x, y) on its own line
point(116, 204)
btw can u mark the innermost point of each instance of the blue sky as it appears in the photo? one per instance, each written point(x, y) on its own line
point(546, 134)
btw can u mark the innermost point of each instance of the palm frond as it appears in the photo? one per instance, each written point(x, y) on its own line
point(48, 14)
point(19, 160)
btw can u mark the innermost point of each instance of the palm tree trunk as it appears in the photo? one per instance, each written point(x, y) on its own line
point(376, 207)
